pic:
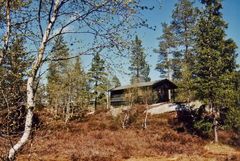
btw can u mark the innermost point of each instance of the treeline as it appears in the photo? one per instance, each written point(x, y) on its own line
point(195, 52)
point(67, 89)
point(71, 90)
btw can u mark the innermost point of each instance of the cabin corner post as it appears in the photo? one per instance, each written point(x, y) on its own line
point(169, 95)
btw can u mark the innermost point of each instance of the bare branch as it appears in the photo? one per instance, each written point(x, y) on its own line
point(81, 17)
point(39, 18)
point(61, 59)
point(70, 32)
point(50, 12)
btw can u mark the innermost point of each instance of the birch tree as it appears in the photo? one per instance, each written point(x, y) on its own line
point(9, 10)
point(105, 23)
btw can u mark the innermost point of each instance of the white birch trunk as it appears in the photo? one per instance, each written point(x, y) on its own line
point(125, 119)
point(67, 114)
point(215, 123)
point(169, 95)
point(28, 122)
point(145, 119)
point(30, 93)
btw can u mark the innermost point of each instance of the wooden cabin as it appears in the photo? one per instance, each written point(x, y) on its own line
point(163, 89)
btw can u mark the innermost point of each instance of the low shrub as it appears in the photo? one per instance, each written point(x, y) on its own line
point(13, 122)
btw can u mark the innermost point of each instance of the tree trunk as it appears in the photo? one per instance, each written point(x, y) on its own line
point(96, 96)
point(67, 115)
point(28, 122)
point(95, 103)
point(125, 119)
point(215, 123)
point(30, 91)
point(145, 119)
point(55, 112)
point(24, 138)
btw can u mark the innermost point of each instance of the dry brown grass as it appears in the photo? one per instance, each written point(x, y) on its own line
point(101, 138)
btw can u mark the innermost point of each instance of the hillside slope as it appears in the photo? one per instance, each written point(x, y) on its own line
point(100, 138)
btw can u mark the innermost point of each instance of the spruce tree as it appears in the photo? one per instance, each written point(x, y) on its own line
point(212, 73)
point(80, 88)
point(98, 80)
point(138, 65)
point(58, 75)
point(115, 82)
point(13, 74)
point(233, 113)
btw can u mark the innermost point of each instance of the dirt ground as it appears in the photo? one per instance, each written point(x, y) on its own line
point(100, 138)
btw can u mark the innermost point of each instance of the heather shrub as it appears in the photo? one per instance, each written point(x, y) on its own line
point(196, 121)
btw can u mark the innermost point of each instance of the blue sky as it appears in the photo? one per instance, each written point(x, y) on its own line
point(162, 13)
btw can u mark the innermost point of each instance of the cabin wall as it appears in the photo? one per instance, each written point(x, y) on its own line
point(160, 93)
point(117, 98)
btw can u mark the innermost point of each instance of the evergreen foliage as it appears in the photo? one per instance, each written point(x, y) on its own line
point(166, 52)
point(175, 50)
point(115, 81)
point(214, 62)
point(98, 80)
point(138, 65)
point(233, 114)
point(57, 84)
point(80, 91)
point(184, 19)
point(215, 56)
point(67, 83)
point(13, 75)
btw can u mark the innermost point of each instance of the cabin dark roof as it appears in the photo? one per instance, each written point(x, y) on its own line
point(146, 84)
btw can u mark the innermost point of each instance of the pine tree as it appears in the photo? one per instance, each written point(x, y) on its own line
point(138, 65)
point(184, 20)
point(212, 73)
point(167, 51)
point(98, 80)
